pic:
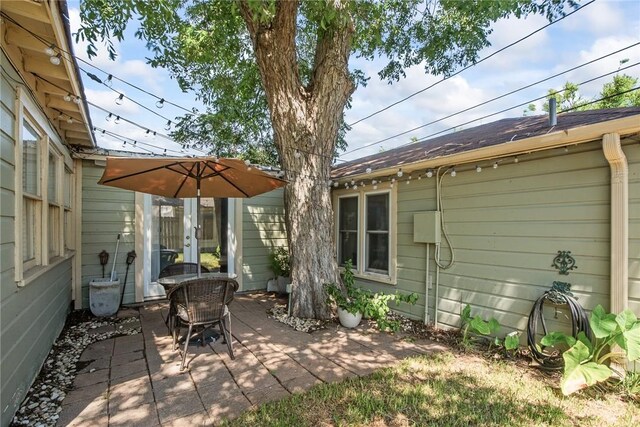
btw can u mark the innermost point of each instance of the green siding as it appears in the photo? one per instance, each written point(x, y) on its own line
point(31, 317)
point(106, 212)
point(632, 151)
point(263, 228)
point(507, 224)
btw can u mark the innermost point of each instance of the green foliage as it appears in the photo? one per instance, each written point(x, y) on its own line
point(372, 305)
point(207, 47)
point(477, 326)
point(584, 363)
point(280, 262)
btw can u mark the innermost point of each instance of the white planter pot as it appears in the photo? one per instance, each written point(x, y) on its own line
point(349, 320)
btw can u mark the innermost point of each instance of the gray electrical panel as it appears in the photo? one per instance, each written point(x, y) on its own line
point(426, 227)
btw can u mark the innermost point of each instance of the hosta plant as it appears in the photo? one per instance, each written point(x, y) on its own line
point(587, 361)
point(476, 325)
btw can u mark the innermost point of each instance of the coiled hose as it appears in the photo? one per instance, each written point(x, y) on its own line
point(579, 323)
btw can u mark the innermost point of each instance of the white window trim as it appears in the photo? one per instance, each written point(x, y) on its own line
point(337, 222)
point(361, 193)
point(57, 202)
point(26, 272)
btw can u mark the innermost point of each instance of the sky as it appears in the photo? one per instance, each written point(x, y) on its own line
point(599, 29)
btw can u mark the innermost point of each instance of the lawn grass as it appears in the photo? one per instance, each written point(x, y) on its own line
point(209, 260)
point(442, 390)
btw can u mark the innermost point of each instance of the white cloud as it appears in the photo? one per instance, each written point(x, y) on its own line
point(600, 17)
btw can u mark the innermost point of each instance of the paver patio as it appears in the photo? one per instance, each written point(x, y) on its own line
point(136, 380)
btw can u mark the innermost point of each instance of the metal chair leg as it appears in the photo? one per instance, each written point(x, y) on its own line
point(225, 325)
point(186, 346)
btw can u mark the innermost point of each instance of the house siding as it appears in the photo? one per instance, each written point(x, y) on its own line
point(506, 225)
point(106, 212)
point(31, 317)
point(263, 228)
point(632, 151)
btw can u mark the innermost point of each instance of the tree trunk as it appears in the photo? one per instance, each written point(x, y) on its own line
point(305, 122)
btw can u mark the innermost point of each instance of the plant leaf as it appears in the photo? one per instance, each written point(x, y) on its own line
point(583, 376)
point(466, 313)
point(632, 342)
point(480, 326)
point(582, 337)
point(626, 319)
point(511, 341)
point(494, 325)
point(602, 323)
point(553, 338)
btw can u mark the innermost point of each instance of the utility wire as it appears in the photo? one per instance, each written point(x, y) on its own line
point(488, 101)
point(470, 65)
point(425, 138)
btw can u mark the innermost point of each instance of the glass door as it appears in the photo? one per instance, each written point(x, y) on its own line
point(171, 237)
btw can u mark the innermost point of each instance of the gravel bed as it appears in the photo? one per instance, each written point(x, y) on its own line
point(279, 312)
point(43, 403)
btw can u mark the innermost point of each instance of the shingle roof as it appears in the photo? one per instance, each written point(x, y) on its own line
point(502, 131)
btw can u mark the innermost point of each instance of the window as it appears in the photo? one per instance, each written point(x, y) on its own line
point(348, 231)
point(55, 205)
point(31, 195)
point(364, 232)
point(377, 233)
point(68, 200)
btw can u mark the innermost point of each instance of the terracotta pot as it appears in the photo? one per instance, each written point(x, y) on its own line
point(349, 320)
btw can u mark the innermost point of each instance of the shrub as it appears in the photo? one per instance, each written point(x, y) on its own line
point(279, 260)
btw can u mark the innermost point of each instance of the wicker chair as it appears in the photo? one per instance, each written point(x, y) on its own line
point(203, 302)
point(176, 270)
point(182, 268)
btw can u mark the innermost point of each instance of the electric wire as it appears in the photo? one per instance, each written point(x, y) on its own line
point(488, 101)
point(426, 137)
point(440, 208)
point(470, 65)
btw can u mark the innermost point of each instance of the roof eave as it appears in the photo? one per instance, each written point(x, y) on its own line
point(577, 135)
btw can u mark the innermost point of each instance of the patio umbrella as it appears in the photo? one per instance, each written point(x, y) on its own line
point(188, 177)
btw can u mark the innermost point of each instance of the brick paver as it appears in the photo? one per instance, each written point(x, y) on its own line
point(136, 380)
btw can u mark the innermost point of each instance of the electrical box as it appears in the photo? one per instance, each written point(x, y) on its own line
point(426, 227)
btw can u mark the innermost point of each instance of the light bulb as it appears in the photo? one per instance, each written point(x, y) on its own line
point(297, 154)
point(70, 120)
point(109, 117)
point(50, 50)
point(168, 126)
point(117, 120)
point(368, 170)
point(160, 103)
point(515, 159)
point(77, 100)
point(336, 184)
point(375, 187)
point(208, 127)
point(495, 165)
point(120, 99)
point(146, 134)
point(352, 182)
point(55, 60)
point(453, 172)
point(478, 169)
point(109, 80)
point(400, 173)
point(67, 97)
point(429, 173)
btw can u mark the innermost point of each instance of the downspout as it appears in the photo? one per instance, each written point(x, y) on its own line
point(619, 291)
point(426, 290)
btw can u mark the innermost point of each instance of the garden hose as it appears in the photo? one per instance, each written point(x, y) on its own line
point(579, 323)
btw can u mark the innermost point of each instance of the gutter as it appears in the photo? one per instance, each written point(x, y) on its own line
point(578, 135)
point(619, 276)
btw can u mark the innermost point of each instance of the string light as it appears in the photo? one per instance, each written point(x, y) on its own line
point(478, 169)
point(400, 173)
point(297, 154)
point(77, 100)
point(50, 50)
point(69, 119)
point(55, 60)
point(120, 99)
point(109, 80)
point(368, 170)
point(160, 103)
point(67, 97)
point(495, 165)
point(117, 120)
point(108, 118)
point(515, 159)
point(429, 173)
point(168, 126)
point(453, 172)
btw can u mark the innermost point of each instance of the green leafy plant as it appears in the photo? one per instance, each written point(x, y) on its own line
point(587, 361)
point(280, 263)
point(372, 305)
point(476, 325)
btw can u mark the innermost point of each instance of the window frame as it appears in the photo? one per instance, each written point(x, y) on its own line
point(57, 203)
point(389, 277)
point(339, 230)
point(366, 232)
point(27, 110)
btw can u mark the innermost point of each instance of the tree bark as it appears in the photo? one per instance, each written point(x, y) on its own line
point(305, 122)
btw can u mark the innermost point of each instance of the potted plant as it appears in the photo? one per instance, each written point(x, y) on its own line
point(352, 302)
point(279, 262)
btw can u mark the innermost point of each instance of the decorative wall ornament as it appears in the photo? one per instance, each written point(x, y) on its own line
point(564, 262)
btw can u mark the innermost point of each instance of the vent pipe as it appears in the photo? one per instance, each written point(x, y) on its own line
point(553, 117)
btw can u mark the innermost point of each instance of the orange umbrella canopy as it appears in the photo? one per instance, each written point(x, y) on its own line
point(178, 177)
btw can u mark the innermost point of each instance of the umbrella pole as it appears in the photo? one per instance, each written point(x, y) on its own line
point(198, 228)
